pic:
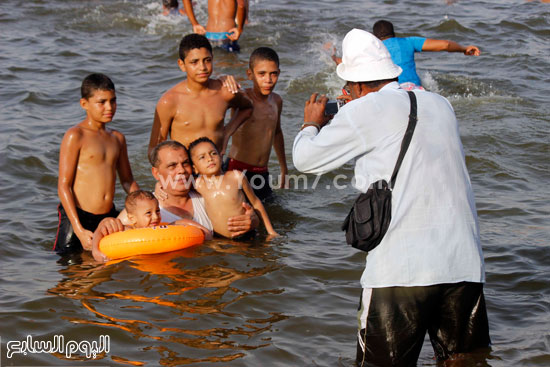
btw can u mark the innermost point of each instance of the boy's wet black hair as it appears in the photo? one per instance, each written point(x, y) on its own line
point(132, 198)
point(93, 82)
point(196, 142)
point(383, 29)
point(263, 53)
point(192, 41)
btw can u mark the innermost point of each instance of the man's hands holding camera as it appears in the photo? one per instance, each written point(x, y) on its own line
point(318, 112)
point(314, 111)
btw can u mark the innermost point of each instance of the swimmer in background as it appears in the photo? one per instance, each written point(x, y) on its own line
point(402, 50)
point(252, 140)
point(226, 19)
point(224, 194)
point(171, 7)
point(90, 157)
point(142, 211)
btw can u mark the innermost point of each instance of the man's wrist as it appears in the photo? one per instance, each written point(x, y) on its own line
point(314, 124)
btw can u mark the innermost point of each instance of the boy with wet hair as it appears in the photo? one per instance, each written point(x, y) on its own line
point(224, 194)
point(196, 106)
point(142, 210)
point(253, 139)
point(90, 157)
point(226, 19)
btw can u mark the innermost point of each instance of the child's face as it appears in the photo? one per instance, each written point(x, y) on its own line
point(264, 75)
point(145, 214)
point(206, 159)
point(197, 65)
point(101, 106)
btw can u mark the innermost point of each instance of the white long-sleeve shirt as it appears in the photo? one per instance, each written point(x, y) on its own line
point(433, 237)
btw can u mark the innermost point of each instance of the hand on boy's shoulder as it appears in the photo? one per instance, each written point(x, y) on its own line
point(228, 92)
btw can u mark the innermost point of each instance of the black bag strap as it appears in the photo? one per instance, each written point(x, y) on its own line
point(407, 138)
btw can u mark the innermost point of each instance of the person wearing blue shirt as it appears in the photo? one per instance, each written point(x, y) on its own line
point(402, 51)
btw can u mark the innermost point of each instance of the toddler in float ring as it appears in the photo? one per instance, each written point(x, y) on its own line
point(143, 211)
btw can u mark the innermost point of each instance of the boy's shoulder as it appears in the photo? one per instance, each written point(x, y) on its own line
point(75, 131)
point(235, 176)
point(117, 134)
point(174, 91)
point(278, 99)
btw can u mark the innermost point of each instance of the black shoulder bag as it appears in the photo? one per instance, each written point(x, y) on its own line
point(370, 215)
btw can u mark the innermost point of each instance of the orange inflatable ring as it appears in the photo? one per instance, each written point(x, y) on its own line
point(154, 240)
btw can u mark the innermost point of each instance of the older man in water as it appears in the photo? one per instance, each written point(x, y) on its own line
point(172, 169)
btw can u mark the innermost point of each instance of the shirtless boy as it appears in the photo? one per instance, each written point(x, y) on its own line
point(196, 106)
point(222, 192)
point(226, 19)
point(89, 159)
point(252, 141)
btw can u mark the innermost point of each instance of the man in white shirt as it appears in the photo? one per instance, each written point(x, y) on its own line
point(427, 274)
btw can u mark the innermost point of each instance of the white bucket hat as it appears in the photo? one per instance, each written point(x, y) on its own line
point(365, 58)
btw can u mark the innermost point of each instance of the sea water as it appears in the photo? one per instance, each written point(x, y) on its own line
point(291, 301)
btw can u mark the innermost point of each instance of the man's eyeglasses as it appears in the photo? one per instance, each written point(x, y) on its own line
point(346, 90)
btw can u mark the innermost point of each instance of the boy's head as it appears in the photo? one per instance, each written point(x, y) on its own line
point(195, 54)
point(170, 4)
point(143, 209)
point(264, 69)
point(95, 82)
point(383, 29)
point(205, 157)
point(98, 98)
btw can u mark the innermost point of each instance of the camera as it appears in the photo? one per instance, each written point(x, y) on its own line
point(332, 107)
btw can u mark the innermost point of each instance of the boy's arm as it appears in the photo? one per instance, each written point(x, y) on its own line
point(105, 227)
point(449, 46)
point(236, 121)
point(235, 33)
point(123, 166)
point(197, 28)
point(243, 107)
point(68, 164)
point(256, 203)
point(164, 115)
point(279, 145)
point(238, 100)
